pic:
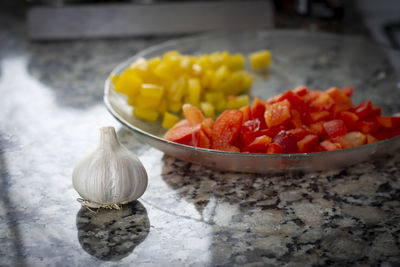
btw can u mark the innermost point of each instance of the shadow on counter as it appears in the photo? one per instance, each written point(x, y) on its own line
point(111, 235)
point(11, 214)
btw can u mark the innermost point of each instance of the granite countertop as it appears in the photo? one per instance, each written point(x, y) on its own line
point(190, 215)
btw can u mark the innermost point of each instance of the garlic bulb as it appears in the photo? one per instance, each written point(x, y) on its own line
point(109, 176)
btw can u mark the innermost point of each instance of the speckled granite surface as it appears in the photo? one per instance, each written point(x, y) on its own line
point(189, 215)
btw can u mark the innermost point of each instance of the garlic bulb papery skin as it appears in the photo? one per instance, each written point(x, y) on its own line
point(109, 176)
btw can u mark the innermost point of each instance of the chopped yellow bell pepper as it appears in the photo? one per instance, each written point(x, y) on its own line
point(232, 85)
point(217, 99)
point(207, 78)
point(153, 63)
point(236, 102)
point(151, 90)
point(216, 60)
point(163, 71)
point(208, 109)
point(169, 120)
point(247, 80)
point(194, 91)
point(140, 64)
point(145, 114)
point(260, 59)
point(162, 106)
point(173, 54)
point(221, 74)
point(174, 106)
point(114, 78)
point(205, 62)
point(131, 100)
point(160, 84)
point(146, 102)
point(236, 62)
point(176, 89)
point(128, 83)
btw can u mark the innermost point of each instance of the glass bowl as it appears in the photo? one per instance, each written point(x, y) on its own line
point(316, 60)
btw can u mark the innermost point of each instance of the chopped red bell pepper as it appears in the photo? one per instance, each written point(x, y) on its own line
point(274, 148)
point(207, 126)
point(294, 99)
point(248, 131)
point(246, 113)
point(389, 121)
point(375, 112)
point(317, 128)
point(368, 126)
point(348, 90)
point(319, 115)
point(349, 118)
point(259, 145)
point(329, 146)
point(226, 130)
point(298, 120)
point(323, 101)
point(371, 139)
point(351, 139)
point(277, 113)
point(308, 143)
point(387, 133)
point(300, 90)
point(299, 133)
point(183, 133)
point(287, 141)
point(203, 140)
point(335, 128)
point(258, 110)
point(193, 114)
point(363, 110)
point(340, 98)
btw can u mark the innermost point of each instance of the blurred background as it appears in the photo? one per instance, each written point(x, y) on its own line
point(83, 19)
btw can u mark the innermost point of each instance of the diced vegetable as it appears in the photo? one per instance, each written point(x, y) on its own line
point(146, 113)
point(203, 140)
point(277, 113)
point(260, 59)
point(274, 148)
point(389, 122)
point(183, 132)
point(194, 91)
point(297, 121)
point(208, 109)
point(151, 90)
point(329, 146)
point(260, 144)
point(258, 110)
point(209, 81)
point(226, 130)
point(287, 141)
point(308, 143)
point(335, 128)
point(128, 83)
point(169, 120)
point(351, 139)
point(193, 114)
point(236, 102)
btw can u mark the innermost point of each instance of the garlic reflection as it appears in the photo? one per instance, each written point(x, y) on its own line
point(111, 235)
point(109, 176)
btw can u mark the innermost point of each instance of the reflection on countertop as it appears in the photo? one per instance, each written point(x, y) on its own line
point(110, 234)
point(189, 216)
